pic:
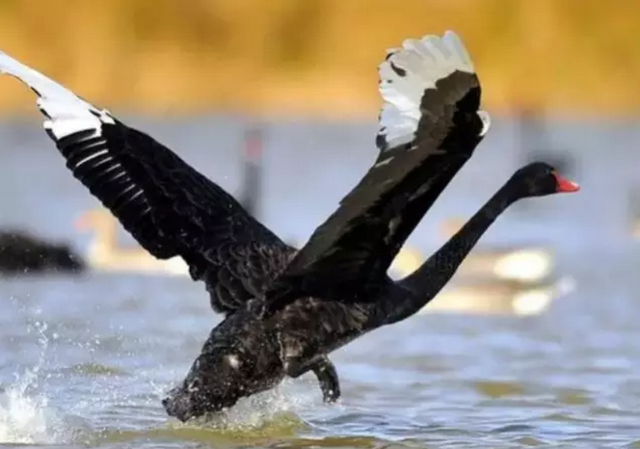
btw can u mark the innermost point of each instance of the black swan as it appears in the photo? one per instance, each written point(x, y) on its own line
point(23, 253)
point(286, 310)
point(252, 170)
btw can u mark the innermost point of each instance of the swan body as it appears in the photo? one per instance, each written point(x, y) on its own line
point(22, 253)
point(285, 310)
point(106, 255)
point(521, 264)
point(498, 297)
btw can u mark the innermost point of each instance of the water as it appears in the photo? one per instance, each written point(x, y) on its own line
point(85, 360)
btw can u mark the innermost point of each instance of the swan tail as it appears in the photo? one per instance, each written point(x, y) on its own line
point(407, 73)
point(66, 113)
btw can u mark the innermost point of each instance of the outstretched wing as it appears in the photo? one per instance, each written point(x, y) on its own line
point(430, 124)
point(167, 206)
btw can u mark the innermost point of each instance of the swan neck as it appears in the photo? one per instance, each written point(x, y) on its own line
point(425, 283)
point(104, 243)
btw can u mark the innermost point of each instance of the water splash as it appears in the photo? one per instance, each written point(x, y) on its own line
point(25, 414)
point(23, 419)
point(279, 407)
point(277, 410)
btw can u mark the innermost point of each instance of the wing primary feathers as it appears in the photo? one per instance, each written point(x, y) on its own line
point(167, 206)
point(406, 74)
point(430, 125)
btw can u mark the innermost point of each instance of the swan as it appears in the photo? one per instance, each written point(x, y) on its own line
point(498, 297)
point(23, 253)
point(106, 254)
point(286, 310)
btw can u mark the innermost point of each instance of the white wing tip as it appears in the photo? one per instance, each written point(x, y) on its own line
point(407, 72)
point(66, 112)
point(431, 57)
point(486, 122)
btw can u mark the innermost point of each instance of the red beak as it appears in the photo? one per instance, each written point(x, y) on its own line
point(564, 185)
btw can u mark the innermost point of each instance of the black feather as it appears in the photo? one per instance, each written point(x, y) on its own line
point(173, 210)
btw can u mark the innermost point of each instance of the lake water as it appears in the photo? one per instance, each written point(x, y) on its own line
point(85, 360)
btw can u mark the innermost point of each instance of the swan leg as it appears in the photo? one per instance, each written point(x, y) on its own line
point(326, 373)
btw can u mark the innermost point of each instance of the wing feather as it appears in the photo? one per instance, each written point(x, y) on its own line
point(168, 207)
point(430, 124)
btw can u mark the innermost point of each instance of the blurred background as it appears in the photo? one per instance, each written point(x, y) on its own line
point(277, 102)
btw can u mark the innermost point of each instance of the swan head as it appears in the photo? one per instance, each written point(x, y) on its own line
point(216, 381)
point(540, 179)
